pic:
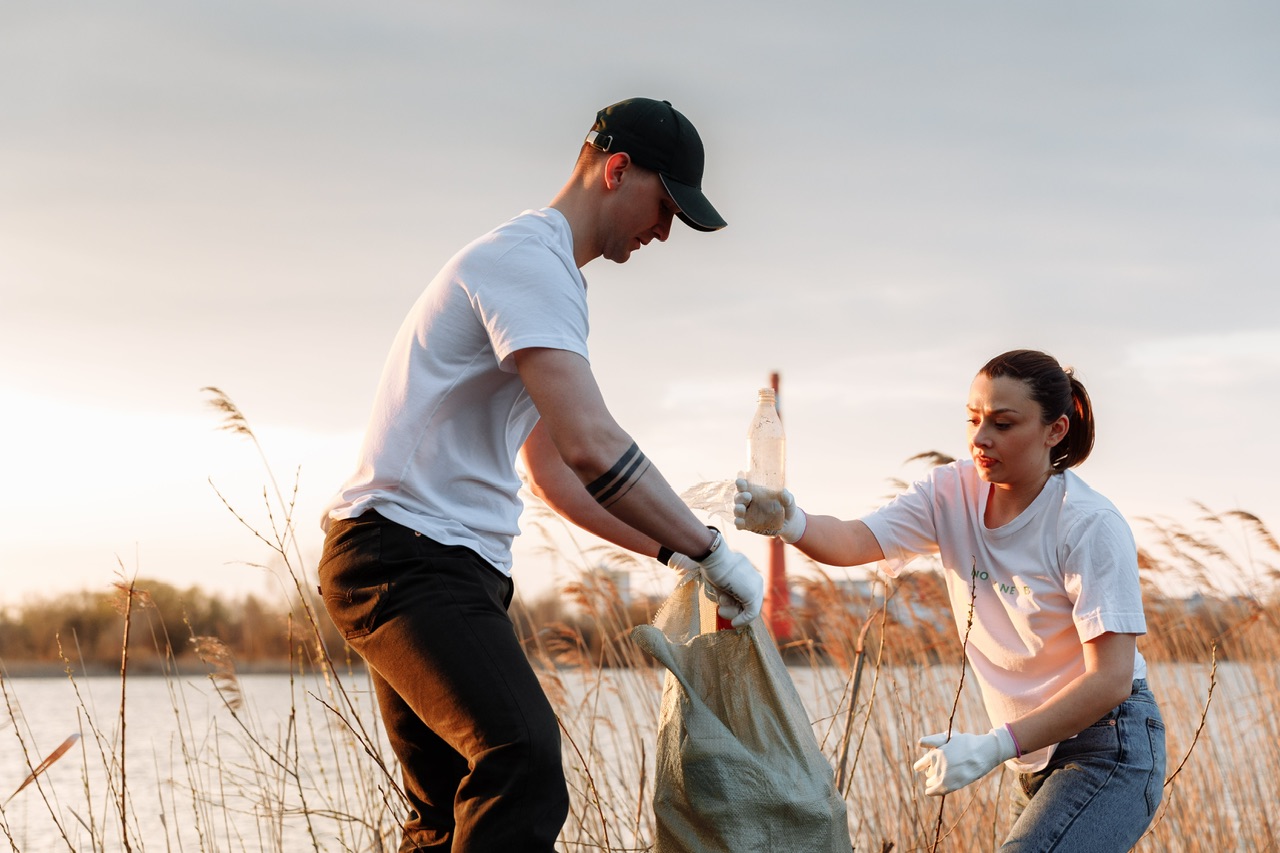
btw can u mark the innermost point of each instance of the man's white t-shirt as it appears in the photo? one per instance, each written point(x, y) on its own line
point(451, 413)
point(1060, 574)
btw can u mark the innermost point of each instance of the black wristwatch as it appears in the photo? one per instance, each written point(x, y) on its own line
point(665, 554)
point(715, 543)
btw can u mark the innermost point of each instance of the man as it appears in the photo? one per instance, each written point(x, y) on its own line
point(416, 571)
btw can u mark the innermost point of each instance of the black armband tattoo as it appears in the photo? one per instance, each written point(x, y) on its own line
point(609, 487)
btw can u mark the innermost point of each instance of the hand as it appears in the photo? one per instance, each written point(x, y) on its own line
point(739, 585)
point(726, 605)
point(949, 765)
point(756, 519)
point(683, 564)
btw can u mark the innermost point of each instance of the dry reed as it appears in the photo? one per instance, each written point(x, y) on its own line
point(323, 778)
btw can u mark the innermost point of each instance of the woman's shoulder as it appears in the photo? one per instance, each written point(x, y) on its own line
point(1082, 497)
point(945, 488)
point(958, 478)
point(1086, 511)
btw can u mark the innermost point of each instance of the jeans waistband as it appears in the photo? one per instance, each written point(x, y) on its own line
point(1139, 684)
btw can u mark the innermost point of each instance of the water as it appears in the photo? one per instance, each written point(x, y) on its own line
point(286, 773)
point(197, 776)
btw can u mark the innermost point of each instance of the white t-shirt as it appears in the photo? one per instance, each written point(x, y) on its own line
point(451, 413)
point(1060, 574)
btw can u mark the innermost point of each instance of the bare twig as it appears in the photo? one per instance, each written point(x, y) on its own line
point(1204, 713)
point(586, 769)
point(964, 665)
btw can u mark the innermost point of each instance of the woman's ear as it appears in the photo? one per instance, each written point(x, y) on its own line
point(1058, 430)
point(614, 169)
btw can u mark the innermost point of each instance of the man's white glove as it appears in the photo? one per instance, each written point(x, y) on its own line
point(727, 606)
point(739, 585)
point(746, 517)
point(683, 564)
point(949, 765)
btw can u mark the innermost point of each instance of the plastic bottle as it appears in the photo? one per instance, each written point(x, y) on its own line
point(766, 465)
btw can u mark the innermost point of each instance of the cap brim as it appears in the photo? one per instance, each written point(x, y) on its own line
point(695, 210)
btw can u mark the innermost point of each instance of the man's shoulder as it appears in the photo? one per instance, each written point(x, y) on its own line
point(546, 226)
point(534, 236)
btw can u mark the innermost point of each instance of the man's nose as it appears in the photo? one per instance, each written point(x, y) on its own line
point(663, 230)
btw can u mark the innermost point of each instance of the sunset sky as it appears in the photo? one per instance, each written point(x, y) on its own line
point(250, 195)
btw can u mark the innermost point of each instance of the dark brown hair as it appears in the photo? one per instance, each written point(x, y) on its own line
point(1058, 392)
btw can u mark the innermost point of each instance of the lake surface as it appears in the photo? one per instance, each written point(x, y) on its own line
point(285, 772)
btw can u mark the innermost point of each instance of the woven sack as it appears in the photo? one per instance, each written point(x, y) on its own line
point(738, 767)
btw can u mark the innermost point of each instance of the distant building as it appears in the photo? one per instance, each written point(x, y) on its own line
point(866, 595)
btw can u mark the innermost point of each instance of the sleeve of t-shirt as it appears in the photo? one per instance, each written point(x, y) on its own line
point(906, 527)
point(527, 298)
point(1100, 574)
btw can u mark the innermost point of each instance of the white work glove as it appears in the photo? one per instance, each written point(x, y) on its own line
point(794, 519)
point(949, 765)
point(739, 586)
point(726, 605)
point(683, 564)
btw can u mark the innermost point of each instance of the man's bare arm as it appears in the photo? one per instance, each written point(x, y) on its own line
point(553, 482)
point(602, 456)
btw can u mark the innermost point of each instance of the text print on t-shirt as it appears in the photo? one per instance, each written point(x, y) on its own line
point(998, 586)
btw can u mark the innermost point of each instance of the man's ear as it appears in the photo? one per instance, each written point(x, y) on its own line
point(614, 169)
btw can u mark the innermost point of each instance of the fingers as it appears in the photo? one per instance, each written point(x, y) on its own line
point(933, 765)
point(729, 607)
point(746, 616)
point(933, 741)
point(741, 500)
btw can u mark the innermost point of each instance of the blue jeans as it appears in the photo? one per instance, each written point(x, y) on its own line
point(477, 741)
point(1100, 789)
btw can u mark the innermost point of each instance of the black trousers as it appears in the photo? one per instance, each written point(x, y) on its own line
point(477, 740)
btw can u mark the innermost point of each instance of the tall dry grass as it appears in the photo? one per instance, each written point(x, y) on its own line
point(877, 663)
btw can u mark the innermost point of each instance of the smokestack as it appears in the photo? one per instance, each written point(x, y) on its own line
point(777, 595)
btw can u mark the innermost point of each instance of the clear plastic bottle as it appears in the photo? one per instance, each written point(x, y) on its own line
point(766, 465)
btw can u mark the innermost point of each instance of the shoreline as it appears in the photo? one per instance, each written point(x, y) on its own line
point(140, 669)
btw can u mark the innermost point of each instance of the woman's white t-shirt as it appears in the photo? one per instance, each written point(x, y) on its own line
point(1060, 574)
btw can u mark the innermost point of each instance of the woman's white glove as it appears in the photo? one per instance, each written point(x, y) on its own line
point(951, 764)
point(757, 518)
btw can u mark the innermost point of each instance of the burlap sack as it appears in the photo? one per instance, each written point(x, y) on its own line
point(738, 767)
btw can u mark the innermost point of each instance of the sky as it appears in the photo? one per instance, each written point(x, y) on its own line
point(250, 195)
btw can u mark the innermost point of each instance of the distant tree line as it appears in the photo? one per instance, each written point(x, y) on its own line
point(86, 628)
point(587, 622)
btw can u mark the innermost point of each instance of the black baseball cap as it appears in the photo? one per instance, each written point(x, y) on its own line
point(658, 137)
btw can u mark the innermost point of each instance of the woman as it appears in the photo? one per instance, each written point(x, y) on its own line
point(1048, 569)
